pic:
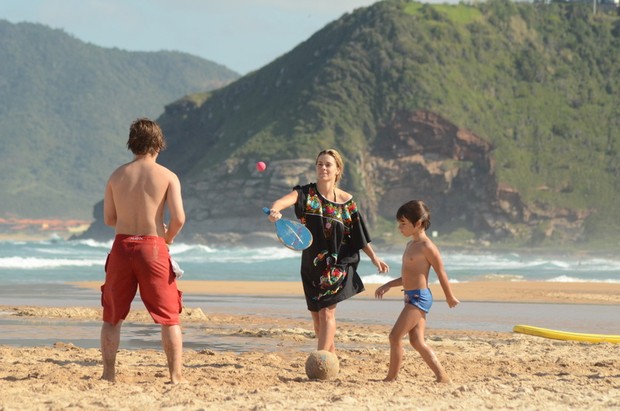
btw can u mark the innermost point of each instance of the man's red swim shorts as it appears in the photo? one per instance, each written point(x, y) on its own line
point(145, 261)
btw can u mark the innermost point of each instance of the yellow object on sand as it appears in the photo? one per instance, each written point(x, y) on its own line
point(566, 335)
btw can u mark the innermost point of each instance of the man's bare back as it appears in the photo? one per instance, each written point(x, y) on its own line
point(136, 195)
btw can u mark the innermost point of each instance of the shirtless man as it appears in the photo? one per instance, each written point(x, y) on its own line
point(414, 218)
point(135, 198)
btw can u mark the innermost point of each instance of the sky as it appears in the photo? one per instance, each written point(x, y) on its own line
point(243, 35)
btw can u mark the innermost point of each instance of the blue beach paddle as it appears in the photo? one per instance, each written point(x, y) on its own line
point(292, 234)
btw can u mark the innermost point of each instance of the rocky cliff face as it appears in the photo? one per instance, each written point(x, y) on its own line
point(417, 155)
point(421, 155)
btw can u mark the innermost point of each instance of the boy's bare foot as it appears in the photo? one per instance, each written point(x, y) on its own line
point(389, 379)
point(178, 380)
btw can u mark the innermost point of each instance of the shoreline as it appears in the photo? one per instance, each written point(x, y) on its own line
point(475, 291)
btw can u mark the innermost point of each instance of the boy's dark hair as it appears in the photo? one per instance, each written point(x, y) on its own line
point(414, 211)
point(145, 137)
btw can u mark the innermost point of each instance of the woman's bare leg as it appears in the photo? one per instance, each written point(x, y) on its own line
point(327, 328)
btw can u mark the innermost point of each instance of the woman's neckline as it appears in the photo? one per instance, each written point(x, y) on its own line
point(327, 199)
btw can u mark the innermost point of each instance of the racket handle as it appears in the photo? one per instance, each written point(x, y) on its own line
point(266, 210)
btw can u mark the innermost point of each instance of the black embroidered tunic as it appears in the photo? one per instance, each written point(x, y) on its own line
point(329, 266)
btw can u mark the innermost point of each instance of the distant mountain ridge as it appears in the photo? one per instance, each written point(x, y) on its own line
point(65, 111)
point(504, 116)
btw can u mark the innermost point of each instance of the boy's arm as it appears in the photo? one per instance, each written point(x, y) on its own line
point(434, 258)
point(385, 287)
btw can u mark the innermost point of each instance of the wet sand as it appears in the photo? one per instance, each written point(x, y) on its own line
point(253, 357)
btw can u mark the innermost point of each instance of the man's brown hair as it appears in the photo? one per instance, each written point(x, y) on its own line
point(145, 137)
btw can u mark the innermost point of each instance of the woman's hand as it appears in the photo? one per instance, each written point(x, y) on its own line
point(381, 265)
point(274, 216)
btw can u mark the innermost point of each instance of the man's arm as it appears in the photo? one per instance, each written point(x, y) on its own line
point(109, 208)
point(175, 208)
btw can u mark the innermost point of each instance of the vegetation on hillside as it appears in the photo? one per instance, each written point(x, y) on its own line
point(65, 110)
point(540, 81)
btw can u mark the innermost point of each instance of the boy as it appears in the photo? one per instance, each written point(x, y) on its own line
point(420, 255)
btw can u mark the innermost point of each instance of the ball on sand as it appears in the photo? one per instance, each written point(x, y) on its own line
point(260, 166)
point(322, 365)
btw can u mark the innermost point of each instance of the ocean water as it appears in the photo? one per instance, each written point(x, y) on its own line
point(60, 261)
point(36, 273)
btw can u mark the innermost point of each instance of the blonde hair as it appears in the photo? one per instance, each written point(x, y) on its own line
point(336, 156)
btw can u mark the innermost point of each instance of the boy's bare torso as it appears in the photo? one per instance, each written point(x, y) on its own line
point(415, 267)
point(139, 193)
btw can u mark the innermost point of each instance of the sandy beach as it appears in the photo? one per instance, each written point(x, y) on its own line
point(489, 370)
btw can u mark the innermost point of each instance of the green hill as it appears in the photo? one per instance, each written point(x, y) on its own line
point(65, 110)
point(539, 82)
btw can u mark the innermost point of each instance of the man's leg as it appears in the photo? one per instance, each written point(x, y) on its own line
point(172, 340)
point(110, 339)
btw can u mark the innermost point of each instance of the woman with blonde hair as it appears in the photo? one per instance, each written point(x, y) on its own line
point(329, 266)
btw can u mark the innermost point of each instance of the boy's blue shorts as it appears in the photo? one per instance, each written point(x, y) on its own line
point(422, 299)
